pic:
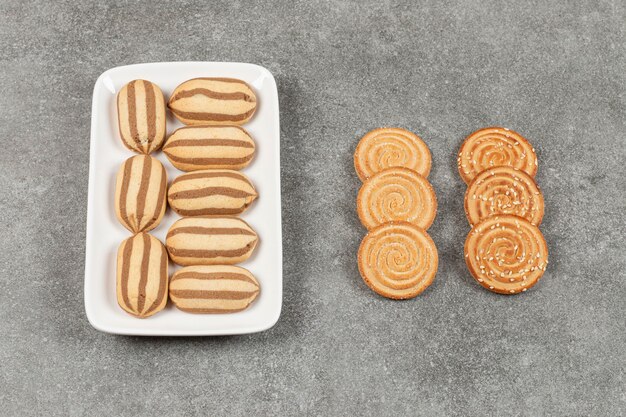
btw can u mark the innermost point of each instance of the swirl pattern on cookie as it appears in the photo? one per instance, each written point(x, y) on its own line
point(506, 254)
point(396, 194)
point(141, 116)
point(398, 260)
point(503, 190)
point(492, 147)
point(391, 147)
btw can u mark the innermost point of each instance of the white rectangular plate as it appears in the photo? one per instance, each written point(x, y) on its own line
point(105, 233)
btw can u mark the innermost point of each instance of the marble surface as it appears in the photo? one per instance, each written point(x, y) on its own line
point(554, 71)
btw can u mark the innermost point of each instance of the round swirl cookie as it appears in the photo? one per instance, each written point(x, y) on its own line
point(140, 192)
point(213, 101)
point(398, 260)
point(141, 116)
point(506, 254)
point(211, 192)
point(195, 148)
point(391, 147)
point(503, 190)
point(210, 241)
point(396, 194)
point(213, 289)
point(492, 147)
point(142, 275)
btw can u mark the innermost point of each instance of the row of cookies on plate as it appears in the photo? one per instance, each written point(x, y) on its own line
point(505, 251)
point(396, 203)
point(209, 245)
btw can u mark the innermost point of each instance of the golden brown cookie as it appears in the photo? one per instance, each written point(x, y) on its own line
point(213, 289)
point(506, 254)
point(193, 148)
point(140, 192)
point(141, 116)
point(503, 190)
point(213, 101)
point(493, 147)
point(396, 194)
point(398, 260)
point(391, 147)
point(211, 192)
point(142, 275)
point(210, 241)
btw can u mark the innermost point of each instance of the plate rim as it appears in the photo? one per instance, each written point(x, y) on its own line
point(92, 317)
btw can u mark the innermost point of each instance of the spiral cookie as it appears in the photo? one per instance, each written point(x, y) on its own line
point(391, 147)
point(503, 190)
point(495, 146)
point(398, 260)
point(396, 194)
point(506, 254)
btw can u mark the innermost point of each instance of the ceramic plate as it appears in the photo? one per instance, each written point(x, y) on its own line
point(105, 233)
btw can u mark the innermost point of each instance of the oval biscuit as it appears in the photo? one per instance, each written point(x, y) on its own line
point(195, 148)
point(210, 241)
point(140, 192)
point(141, 116)
point(142, 275)
point(211, 192)
point(213, 101)
point(213, 289)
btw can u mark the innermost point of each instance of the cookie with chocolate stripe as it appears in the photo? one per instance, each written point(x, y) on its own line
point(211, 192)
point(140, 193)
point(210, 241)
point(142, 275)
point(195, 148)
point(141, 116)
point(213, 289)
point(213, 101)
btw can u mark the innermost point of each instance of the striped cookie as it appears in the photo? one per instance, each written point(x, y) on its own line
point(141, 115)
point(213, 101)
point(211, 192)
point(140, 193)
point(142, 275)
point(206, 147)
point(210, 241)
point(213, 289)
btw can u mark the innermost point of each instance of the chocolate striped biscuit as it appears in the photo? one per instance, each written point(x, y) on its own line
point(141, 115)
point(205, 147)
point(210, 241)
point(142, 275)
point(140, 193)
point(211, 192)
point(213, 101)
point(213, 289)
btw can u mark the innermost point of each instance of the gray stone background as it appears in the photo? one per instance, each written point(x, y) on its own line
point(554, 71)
